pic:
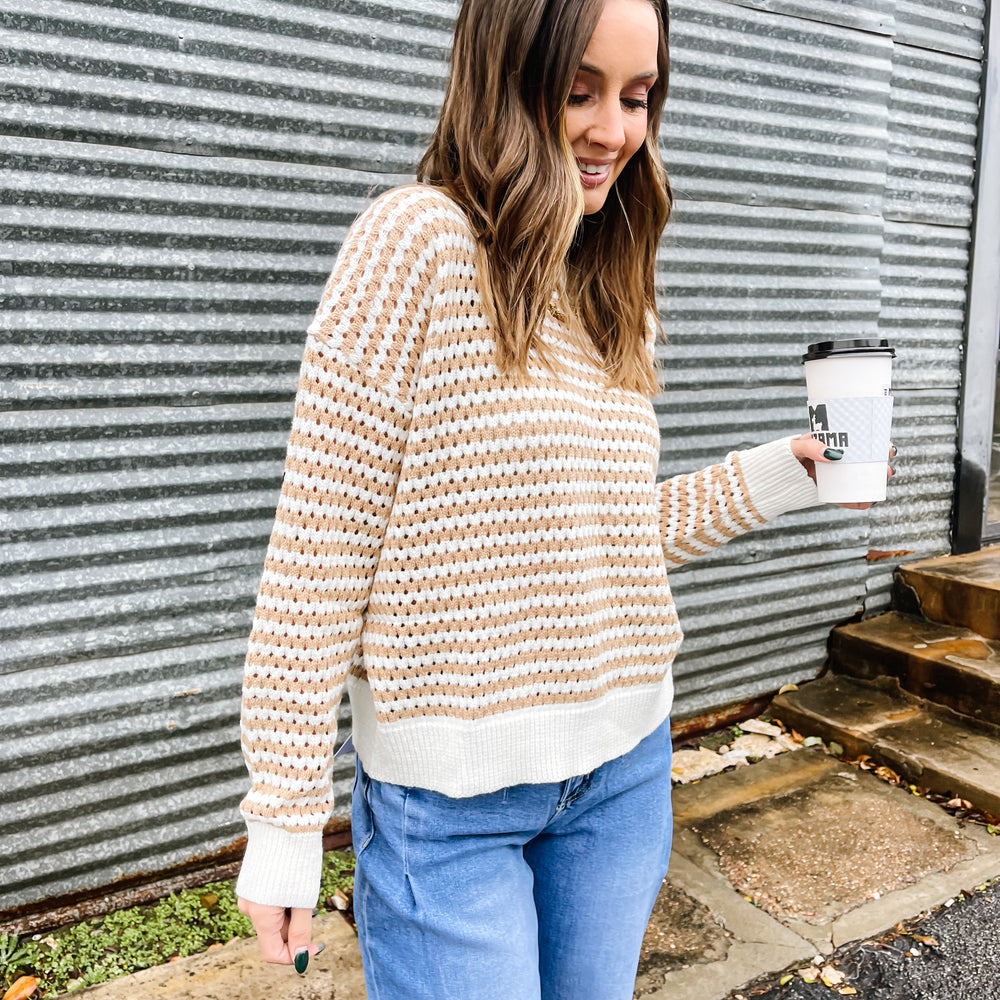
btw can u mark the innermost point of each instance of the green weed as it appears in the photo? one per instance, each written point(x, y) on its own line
point(103, 948)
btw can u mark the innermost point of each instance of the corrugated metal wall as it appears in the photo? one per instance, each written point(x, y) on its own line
point(823, 157)
point(178, 177)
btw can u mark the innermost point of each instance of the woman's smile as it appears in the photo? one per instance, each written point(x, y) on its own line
point(606, 109)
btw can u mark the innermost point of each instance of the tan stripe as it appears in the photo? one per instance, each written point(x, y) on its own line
point(489, 672)
point(325, 729)
point(259, 811)
point(311, 780)
point(385, 712)
point(561, 508)
point(751, 509)
point(502, 617)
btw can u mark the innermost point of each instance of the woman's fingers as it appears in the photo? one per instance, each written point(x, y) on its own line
point(284, 935)
point(270, 923)
point(809, 451)
point(300, 946)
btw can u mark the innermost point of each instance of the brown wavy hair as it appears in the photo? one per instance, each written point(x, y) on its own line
point(500, 150)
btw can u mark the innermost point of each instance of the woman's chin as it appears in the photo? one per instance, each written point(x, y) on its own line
point(593, 200)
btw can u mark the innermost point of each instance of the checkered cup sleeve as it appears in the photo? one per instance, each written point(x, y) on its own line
point(857, 425)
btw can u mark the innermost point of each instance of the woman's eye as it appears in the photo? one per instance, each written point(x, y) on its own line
point(635, 103)
point(577, 99)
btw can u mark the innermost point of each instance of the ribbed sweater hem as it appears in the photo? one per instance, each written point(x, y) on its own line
point(544, 743)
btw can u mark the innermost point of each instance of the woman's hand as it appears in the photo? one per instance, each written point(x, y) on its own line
point(809, 451)
point(284, 935)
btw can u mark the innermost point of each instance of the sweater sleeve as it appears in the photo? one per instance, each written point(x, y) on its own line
point(344, 456)
point(702, 510)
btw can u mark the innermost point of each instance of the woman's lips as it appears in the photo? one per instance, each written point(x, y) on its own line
point(593, 173)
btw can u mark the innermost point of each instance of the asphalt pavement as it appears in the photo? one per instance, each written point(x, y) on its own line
point(952, 953)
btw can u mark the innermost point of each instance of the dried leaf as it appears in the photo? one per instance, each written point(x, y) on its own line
point(836, 749)
point(847, 991)
point(809, 974)
point(785, 688)
point(887, 774)
point(958, 804)
point(785, 979)
point(832, 977)
point(22, 988)
point(811, 741)
point(924, 939)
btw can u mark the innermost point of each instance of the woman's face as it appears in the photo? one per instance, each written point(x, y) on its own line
point(606, 111)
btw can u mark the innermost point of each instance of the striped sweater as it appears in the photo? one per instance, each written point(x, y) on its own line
point(483, 560)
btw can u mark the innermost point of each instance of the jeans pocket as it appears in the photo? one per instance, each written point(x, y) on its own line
point(362, 817)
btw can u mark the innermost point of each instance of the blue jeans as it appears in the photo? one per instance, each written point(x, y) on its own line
point(534, 892)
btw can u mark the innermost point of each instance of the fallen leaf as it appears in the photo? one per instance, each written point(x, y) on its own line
point(786, 979)
point(796, 736)
point(836, 749)
point(22, 988)
point(785, 688)
point(812, 741)
point(924, 939)
point(832, 977)
point(847, 991)
point(886, 773)
point(809, 974)
point(958, 804)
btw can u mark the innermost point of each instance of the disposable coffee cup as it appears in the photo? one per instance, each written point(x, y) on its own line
point(849, 385)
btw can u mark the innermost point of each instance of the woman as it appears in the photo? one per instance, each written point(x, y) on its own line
point(470, 535)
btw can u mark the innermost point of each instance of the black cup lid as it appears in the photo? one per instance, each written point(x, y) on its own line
point(831, 348)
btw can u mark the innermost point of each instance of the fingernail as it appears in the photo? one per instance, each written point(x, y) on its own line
point(301, 960)
point(834, 454)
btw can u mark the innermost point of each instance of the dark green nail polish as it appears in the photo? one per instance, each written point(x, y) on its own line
point(301, 960)
point(833, 454)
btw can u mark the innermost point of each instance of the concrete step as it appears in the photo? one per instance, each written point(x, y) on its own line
point(954, 590)
point(946, 664)
point(928, 745)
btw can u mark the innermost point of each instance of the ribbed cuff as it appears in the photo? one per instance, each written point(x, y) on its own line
point(776, 480)
point(280, 868)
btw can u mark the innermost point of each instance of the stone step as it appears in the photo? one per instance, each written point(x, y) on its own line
point(928, 745)
point(946, 664)
point(955, 590)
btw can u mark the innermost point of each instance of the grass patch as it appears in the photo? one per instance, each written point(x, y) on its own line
point(183, 923)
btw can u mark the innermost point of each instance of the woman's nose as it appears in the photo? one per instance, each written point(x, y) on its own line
point(607, 128)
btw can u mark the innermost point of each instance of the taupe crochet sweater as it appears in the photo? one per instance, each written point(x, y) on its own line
point(484, 562)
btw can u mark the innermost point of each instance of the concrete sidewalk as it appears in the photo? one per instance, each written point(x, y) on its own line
point(773, 865)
